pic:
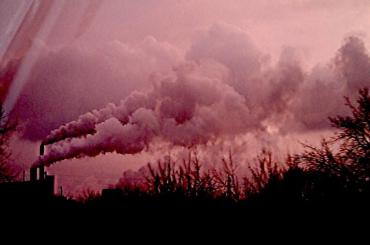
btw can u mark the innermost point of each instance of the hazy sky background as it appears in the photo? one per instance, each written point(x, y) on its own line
point(75, 56)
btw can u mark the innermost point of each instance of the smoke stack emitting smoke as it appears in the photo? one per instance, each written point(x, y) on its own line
point(213, 94)
point(114, 128)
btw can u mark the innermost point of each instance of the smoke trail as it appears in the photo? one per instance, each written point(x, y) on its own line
point(111, 136)
point(209, 96)
point(86, 123)
point(183, 109)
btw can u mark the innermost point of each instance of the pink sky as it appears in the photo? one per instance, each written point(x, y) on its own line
point(276, 64)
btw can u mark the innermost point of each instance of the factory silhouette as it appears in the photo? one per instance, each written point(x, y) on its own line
point(39, 188)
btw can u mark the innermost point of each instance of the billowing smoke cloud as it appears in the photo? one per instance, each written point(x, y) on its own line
point(353, 62)
point(66, 82)
point(182, 108)
point(322, 93)
point(225, 88)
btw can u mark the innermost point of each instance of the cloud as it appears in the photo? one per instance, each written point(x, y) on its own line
point(224, 88)
point(74, 79)
point(222, 85)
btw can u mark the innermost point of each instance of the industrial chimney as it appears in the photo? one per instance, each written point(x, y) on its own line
point(41, 184)
point(42, 149)
point(38, 173)
point(33, 174)
point(41, 167)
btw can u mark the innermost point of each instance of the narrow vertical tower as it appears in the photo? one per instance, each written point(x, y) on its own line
point(42, 168)
point(42, 149)
point(33, 174)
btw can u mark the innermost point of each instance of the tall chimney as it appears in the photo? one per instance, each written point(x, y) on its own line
point(41, 172)
point(42, 149)
point(42, 168)
point(33, 174)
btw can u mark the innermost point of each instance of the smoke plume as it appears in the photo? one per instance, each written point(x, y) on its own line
point(225, 87)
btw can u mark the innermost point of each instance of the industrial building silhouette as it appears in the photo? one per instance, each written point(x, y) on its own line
point(39, 187)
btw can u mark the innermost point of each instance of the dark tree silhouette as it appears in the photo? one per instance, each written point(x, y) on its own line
point(8, 172)
point(354, 133)
point(340, 168)
point(354, 138)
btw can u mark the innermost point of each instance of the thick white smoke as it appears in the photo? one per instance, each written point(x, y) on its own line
point(68, 81)
point(226, 87)
point(183, 108)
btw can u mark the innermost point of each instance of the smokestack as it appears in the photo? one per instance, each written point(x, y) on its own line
point(42, 168)
point(33, 174)
point(41, 172)
point(42, 149)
